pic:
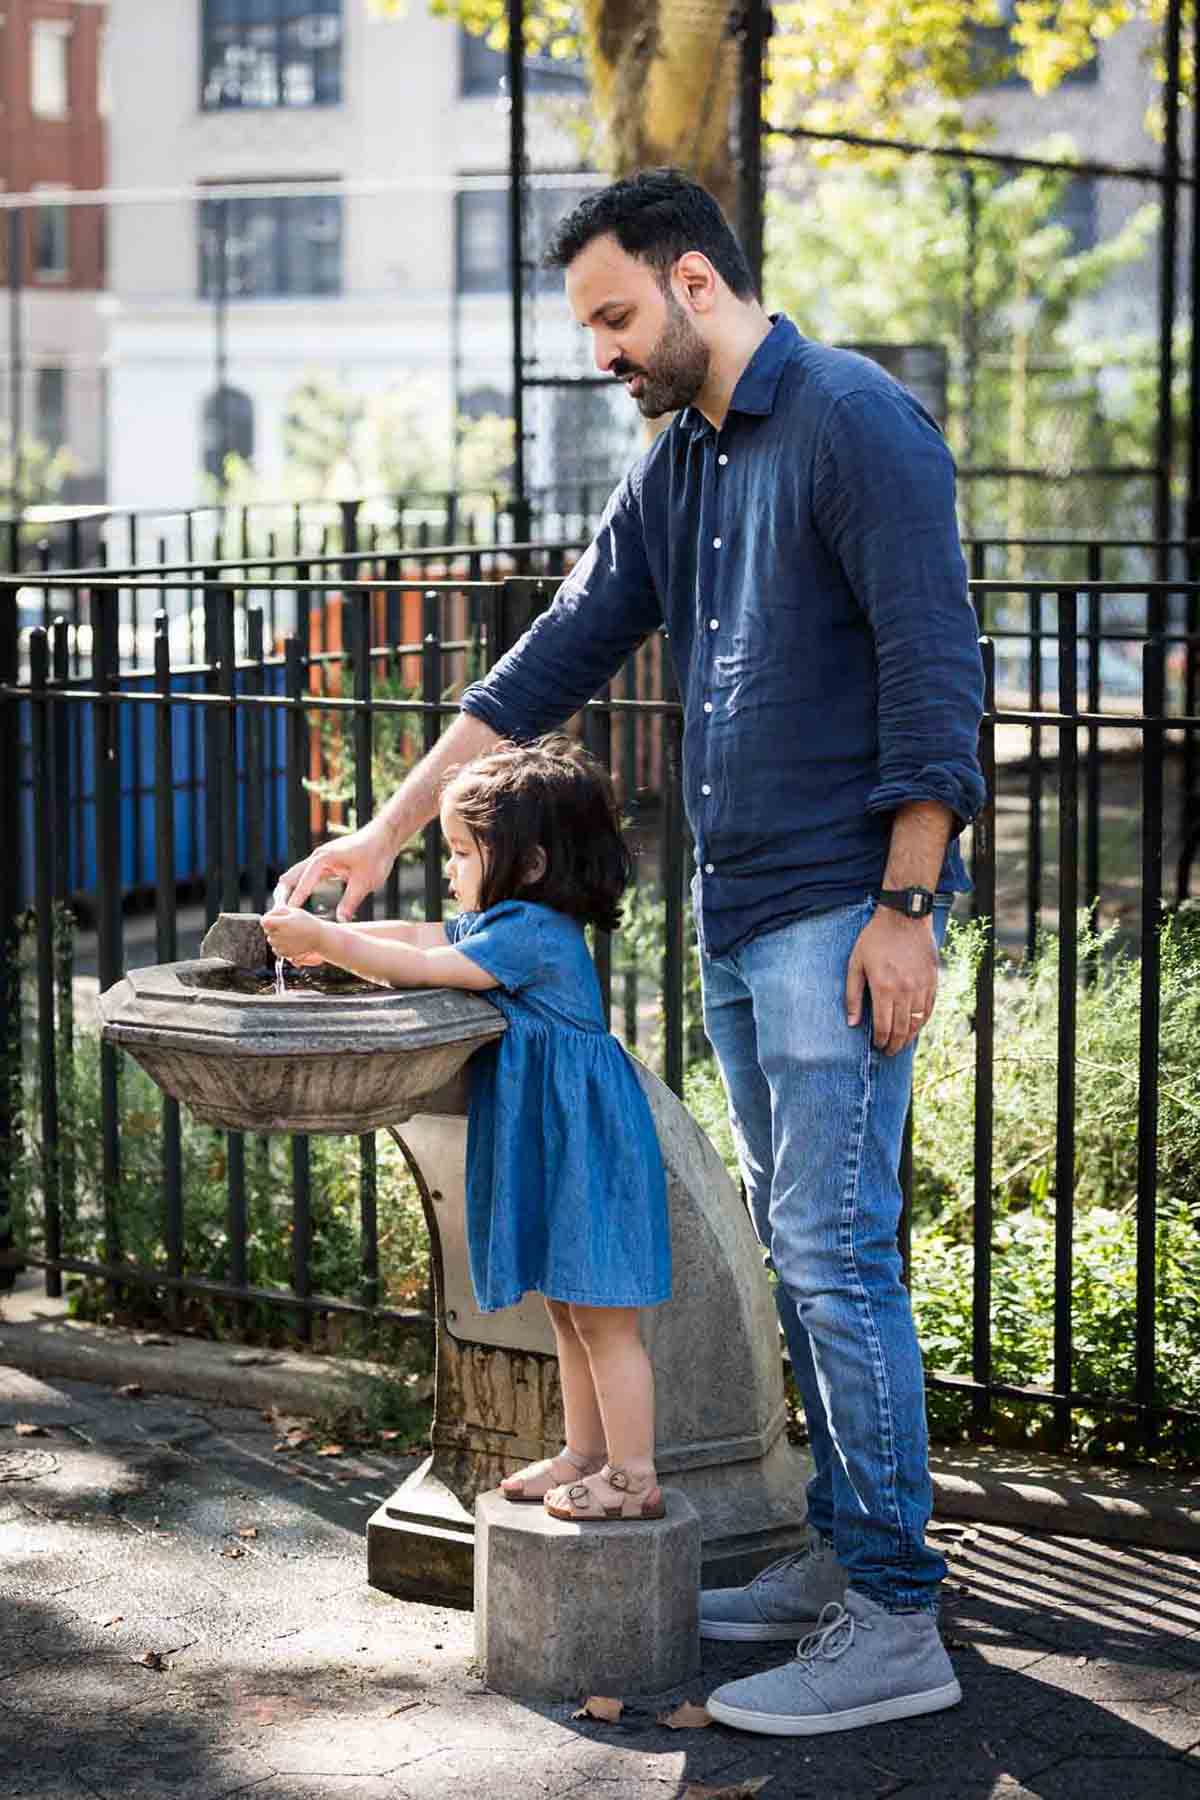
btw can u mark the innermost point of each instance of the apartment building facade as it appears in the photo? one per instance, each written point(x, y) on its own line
point(328, 199)
point(53, 147)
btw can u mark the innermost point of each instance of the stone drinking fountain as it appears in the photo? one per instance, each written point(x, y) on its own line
point(244, 1057)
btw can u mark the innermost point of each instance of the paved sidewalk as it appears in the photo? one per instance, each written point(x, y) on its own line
point(172, 1527)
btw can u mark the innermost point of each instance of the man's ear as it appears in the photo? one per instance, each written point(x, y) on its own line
point(534, 867)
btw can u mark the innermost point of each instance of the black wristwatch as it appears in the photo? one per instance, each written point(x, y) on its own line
point(913, 902)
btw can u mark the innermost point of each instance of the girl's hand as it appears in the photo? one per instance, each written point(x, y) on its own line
point(294, 934)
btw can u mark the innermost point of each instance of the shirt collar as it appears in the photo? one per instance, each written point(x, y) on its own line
point(758, 382)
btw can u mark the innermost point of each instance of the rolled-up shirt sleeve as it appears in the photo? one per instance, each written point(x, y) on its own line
point(603, 610)
point(883, 496)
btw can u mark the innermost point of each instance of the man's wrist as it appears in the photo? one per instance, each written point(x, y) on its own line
point(913, 901)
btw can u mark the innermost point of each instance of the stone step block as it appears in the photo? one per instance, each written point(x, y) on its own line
point(564, 1610)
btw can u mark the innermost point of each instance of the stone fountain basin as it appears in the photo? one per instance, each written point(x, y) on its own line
point(352, 1059)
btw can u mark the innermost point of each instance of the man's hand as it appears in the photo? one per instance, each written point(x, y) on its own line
point(897, 959)
point(294, 934)
point(362, 860)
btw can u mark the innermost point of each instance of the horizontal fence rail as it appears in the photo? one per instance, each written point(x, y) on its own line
point(214, 743)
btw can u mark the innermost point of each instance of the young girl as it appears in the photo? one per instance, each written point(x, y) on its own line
point(565, 1188)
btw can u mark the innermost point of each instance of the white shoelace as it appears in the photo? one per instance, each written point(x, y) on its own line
point(774, 1571)
point(833, 1636)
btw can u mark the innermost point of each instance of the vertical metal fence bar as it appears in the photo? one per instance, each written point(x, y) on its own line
point(227, 743)
point(597, 735)
point(1033, 889)
point(364, 805)
point(10, 904)
point(431, 694)
point(1154, 687)
point(1068, 975)
point(298, 846)
point(66, 809)
point(43, 900)
point(110, 957)
point(673, 879)
point(983, 906)
point(1092, 776)
point(253, 728)
point(213, 761)
point(167, 949)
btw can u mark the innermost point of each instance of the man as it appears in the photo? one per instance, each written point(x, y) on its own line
point(794, 529)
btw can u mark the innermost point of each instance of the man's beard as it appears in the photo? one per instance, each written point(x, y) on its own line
point(677, 368)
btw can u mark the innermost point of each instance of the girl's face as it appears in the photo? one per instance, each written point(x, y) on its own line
point(465, 864)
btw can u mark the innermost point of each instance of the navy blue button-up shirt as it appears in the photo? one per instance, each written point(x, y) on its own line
point(805, 561)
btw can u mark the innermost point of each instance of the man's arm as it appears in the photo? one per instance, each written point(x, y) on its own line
point(363, 858)
point(604, 608)
point(884, 501)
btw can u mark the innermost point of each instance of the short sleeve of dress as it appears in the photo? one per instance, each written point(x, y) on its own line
point(506, 940)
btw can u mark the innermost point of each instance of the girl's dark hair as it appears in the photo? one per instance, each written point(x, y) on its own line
point(657, 215)
point(549, 795)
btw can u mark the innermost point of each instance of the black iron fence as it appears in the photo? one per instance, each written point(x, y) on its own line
point(247, 715)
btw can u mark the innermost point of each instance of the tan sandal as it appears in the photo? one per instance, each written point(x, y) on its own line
point(530, 1485)
point(641, 1498)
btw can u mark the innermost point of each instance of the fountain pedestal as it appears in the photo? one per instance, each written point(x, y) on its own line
point(362, 1058)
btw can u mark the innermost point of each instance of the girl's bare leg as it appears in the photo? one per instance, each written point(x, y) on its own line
point(623, 1380)
point(581, 1416)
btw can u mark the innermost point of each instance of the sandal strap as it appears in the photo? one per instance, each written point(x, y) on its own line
point(625, 1482)
point(576, 1458)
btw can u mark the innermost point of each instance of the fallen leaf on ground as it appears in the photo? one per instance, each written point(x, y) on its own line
point(741, 1790)
point(688, 1717)
point(247, 1531)
point(115, 1619)
point(150, 1659)
point(599, 1706)
point(331, 1450)
point(25, 1430)
point(132, 1390)
point(233, 1551)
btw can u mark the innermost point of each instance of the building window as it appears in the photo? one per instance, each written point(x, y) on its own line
point(51, 242)
point(50, 77)
point(228, 429)
point(482, 70)
point(275, 245)
point(993, 53)
point(481, 234)
point(271, 53)
point(1076, 209)
point(50, 407)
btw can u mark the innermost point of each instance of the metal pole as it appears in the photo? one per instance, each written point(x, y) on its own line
point(970, 345)
point(221, 343)
point(754, 29)
point(1168, 243)
point(16, 356)
point(516, 240)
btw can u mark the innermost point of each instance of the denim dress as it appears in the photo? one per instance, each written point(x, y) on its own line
point(566, 1194)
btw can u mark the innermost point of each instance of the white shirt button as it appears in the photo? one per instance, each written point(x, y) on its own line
point(708, 706)
point(714, 624)
point(704, 788)
point(716, 543)
point(708, 868)
point(722, 459)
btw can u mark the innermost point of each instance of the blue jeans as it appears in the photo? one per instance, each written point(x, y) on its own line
point(818, 1120)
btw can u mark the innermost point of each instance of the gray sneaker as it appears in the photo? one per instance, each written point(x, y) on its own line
point(861, 1666)
point(781, 1602)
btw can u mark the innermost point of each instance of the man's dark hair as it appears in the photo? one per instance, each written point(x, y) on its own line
point(657, 215)
point(549, 795)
